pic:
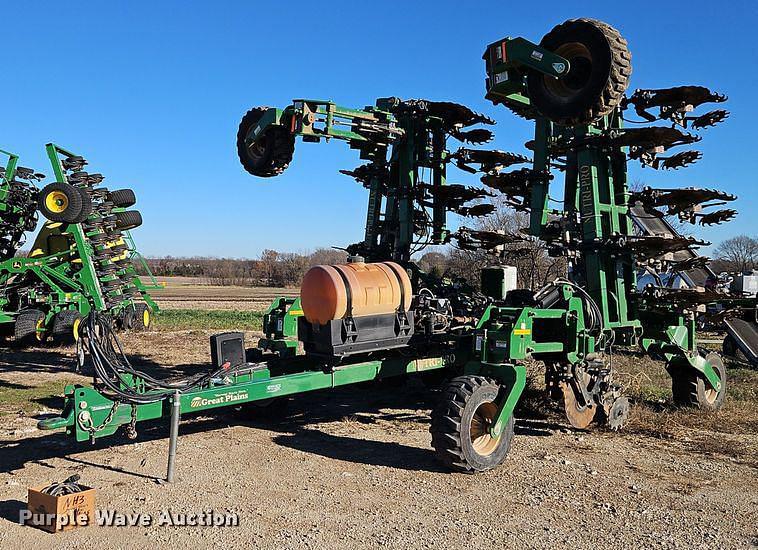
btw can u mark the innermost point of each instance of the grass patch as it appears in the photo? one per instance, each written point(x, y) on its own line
point(655, 415)
point(15, 398)
point(181, 319)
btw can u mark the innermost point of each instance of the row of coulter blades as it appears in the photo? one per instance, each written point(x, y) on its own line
point(104, 229)
point(649, 145)
point(20, 213)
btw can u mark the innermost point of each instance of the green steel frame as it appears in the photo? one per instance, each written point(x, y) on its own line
point(390, 230)
point(88, 415)
point(66, 286)
point(595, 192)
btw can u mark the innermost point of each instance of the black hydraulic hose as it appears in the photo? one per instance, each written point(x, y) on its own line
point(66, 487)
point(111, 364)
point(596, 316)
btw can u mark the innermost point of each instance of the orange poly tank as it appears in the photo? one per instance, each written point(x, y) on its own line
point(333, 291)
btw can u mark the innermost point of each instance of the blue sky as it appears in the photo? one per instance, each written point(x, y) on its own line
point(151, 93)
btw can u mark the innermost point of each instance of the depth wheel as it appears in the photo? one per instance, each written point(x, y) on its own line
point(461, 423)
point(598, 76)
point(66, 326)
point(126, 319)
point(690, 388)
point(29, 329)
point(123, 198)
point(142, 319)
point(271, 152)
point(61, 202)
point(86, 204)
point(128, 220)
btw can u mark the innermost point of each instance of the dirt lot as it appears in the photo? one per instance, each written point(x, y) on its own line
point(353, 468)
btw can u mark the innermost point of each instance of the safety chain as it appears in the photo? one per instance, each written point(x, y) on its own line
point(85, 421)
point(131, 428)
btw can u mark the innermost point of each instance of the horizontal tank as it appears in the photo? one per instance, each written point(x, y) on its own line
point(357, 289)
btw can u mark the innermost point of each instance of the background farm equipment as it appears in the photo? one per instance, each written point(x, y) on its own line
point(81, 260)
point(380, 316)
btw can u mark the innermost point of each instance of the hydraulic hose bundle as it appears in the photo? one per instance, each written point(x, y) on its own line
point(66, 487)
point(114, 371)
point(595, 315)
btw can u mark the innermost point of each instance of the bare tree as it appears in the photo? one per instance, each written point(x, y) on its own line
point(535, 267)
point(291, 268)
point(434, 263)
point(739, 253)
point(269, 266)
point(327, 256)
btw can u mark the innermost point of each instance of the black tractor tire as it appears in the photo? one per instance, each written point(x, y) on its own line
point(128, 220)
point(126, 320)
point(29, 328)
point(143, 317)
point(690, 388)
point(60, 202)
point(600, 67)
point(123, 198)
point(271, 153)
point(460, 426)
point(86, 204)
point(67, 326)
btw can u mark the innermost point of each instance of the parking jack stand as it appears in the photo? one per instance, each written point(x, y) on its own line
point(176, 407)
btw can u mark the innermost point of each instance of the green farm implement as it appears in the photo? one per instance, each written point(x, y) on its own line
point(380, 316)
point(81, 260)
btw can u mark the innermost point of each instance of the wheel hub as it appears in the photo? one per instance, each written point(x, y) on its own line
point(56, 202)
point(580, 62)
point(481, 423)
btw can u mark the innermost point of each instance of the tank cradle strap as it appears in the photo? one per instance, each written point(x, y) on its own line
point(348, 290)
point(402, 286)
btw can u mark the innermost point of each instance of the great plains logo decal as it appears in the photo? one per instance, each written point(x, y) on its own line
point(219, 399)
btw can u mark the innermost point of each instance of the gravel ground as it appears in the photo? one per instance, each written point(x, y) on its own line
point(353, 468)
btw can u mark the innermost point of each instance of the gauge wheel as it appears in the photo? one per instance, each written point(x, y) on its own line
point(461, 423)
point(128, 219)
point(600, 65)
point(270, 153)
point(66, 326)
point(86, 204)
point(142, 318)
point(690, 388)
point(61, 202)
point(29, 329)
point(123, 198)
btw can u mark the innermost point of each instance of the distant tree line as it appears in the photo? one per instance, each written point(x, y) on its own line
point(535, 267)
point(273, 268)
